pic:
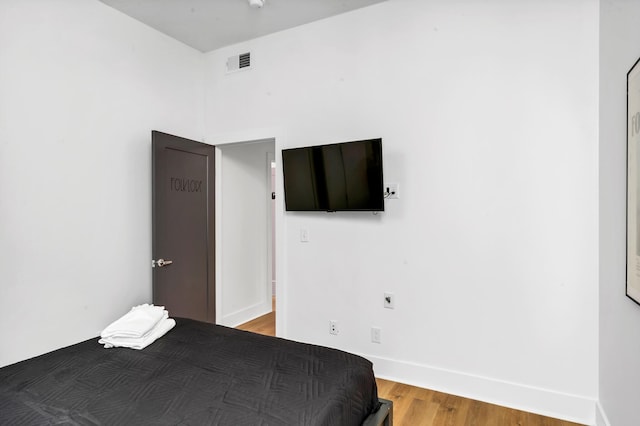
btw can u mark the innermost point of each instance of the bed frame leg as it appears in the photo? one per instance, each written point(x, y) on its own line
point(389, 420)
point(382, 417)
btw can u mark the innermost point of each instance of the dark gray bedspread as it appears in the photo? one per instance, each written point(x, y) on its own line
point(197, 374)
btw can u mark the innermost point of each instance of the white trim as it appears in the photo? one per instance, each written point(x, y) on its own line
point(574, 408)
point(601, 416)
point(234, 319)
point(270, 229)
point(244, 136)
point(247, 314)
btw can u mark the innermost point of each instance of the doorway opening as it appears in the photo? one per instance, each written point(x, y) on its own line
point(245, 220)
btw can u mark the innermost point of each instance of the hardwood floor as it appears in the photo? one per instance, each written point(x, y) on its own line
point(423, 407)
point(265, 324)
point(414, 406)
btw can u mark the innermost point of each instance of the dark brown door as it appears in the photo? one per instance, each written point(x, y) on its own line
point(183, 227)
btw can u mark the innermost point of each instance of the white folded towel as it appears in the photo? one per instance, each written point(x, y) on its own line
point(160, 329)
point(139, 321)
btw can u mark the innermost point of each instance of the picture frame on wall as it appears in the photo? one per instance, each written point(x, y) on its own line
point(633, 183)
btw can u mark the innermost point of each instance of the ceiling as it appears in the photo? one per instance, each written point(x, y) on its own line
point(210, 24)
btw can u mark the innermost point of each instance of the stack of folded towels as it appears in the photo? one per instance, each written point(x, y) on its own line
point(138, 328)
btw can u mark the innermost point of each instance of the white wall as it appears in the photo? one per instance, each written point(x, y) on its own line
point(619, 315)
point(489, 125)
point(81, 88)
point(244, 283)
point(488, 113)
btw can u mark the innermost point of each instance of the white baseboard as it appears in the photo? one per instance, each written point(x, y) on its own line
point(574, 408)
point(247, 314)
point(601, 416)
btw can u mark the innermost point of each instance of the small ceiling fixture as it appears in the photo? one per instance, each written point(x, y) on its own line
point(256, 4)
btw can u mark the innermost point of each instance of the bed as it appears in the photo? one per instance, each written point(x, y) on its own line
point(197, 374)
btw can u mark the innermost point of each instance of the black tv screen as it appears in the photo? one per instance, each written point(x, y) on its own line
point(337, 177)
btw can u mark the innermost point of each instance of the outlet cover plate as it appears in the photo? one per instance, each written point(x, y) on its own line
point(389, 300)
point(392, 191)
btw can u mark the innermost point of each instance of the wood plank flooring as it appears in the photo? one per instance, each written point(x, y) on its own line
point(414, 406)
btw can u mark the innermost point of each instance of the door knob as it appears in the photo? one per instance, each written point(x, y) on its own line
point(161, 263)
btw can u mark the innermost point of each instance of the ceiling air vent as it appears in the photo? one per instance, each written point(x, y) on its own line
point(239, 62)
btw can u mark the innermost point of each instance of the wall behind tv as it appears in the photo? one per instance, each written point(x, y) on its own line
point(81, 88)
point(489, 124)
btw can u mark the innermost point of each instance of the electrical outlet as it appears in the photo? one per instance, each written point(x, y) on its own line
point(333, 327)
point(389, 300)
point(376, 334)
point(391, 191)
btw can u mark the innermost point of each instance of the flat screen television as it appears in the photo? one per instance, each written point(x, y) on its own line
point(343, 176)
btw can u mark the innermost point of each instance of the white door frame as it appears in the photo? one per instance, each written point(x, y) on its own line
point(247, 136)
